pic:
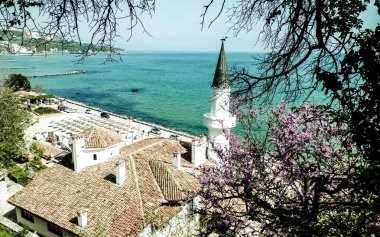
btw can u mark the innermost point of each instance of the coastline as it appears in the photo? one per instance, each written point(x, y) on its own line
point(79, 112)
point(125, 117)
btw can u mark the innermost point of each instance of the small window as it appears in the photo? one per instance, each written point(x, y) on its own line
point(53, 228)
point(95, 157)
point(27, 215)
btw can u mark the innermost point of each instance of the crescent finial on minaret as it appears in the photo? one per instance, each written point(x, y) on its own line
point(224, 39)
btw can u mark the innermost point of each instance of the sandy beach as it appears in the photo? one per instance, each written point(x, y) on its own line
point(64, 124)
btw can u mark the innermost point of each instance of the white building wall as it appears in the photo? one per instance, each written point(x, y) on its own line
point(85, 157)
point(198, 151)
point(182, 225)
point(40, 225)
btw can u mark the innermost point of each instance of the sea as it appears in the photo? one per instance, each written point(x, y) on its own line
point(174, 87)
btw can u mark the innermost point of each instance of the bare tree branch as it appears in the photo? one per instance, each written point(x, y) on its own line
point(70, 21)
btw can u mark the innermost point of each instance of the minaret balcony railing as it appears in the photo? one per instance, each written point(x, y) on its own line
point(224, 123)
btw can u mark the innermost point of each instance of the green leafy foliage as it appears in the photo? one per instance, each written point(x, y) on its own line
point(37, 165)
point(360, 99)
point(45, 110)
point(40, 97)
point(13, 122)
point(36, 149)
point(17, 82)
point(6, 233)
point(19, 175)
point(23, 233)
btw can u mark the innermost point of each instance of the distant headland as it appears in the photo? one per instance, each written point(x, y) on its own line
point(15, 41)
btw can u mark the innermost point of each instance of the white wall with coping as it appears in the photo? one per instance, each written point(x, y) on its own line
point(3, 194)
point(40, 225)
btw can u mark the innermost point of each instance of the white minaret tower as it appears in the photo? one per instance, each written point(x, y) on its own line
point(219, 118)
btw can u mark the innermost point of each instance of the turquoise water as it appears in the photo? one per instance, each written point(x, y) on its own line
point(174, 87)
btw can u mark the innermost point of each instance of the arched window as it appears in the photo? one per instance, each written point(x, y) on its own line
point(95, 157)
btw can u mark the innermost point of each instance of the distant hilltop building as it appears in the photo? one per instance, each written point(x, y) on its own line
point(219, 120)
point(33, 34)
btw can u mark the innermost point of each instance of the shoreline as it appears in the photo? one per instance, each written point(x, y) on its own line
point(126, 117)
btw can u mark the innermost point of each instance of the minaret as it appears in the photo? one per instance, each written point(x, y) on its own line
point(219, 118)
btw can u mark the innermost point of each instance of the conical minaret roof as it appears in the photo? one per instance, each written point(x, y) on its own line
point(221, 75)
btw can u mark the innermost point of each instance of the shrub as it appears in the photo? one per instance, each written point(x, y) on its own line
point(40, 97)
point(36, 149)
point(19, 175)
point(45, 110)
point(18, 82)
point(37, 165)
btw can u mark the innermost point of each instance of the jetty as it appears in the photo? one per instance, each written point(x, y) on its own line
point(59, 74)
point(2, 68)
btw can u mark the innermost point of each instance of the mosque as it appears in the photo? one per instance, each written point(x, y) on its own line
point(144, 189)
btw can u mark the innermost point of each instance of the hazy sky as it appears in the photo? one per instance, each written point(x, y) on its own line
point(175, 26)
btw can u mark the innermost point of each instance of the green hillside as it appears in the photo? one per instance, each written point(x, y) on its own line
point(34, 45)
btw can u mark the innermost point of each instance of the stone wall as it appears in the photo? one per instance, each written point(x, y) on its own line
point(3, 191)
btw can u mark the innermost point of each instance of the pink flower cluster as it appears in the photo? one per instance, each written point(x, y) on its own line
point(298, 174)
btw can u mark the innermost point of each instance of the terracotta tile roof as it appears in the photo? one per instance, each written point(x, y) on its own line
point(165, 180)
point(173, 183)
point(58, 193)
point(96, 137)
point(51, 151)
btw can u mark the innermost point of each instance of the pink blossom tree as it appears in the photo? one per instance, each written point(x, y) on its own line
point(299, 182)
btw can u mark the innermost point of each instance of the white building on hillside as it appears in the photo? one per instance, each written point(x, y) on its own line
point(93, 146)
point(18, 49)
